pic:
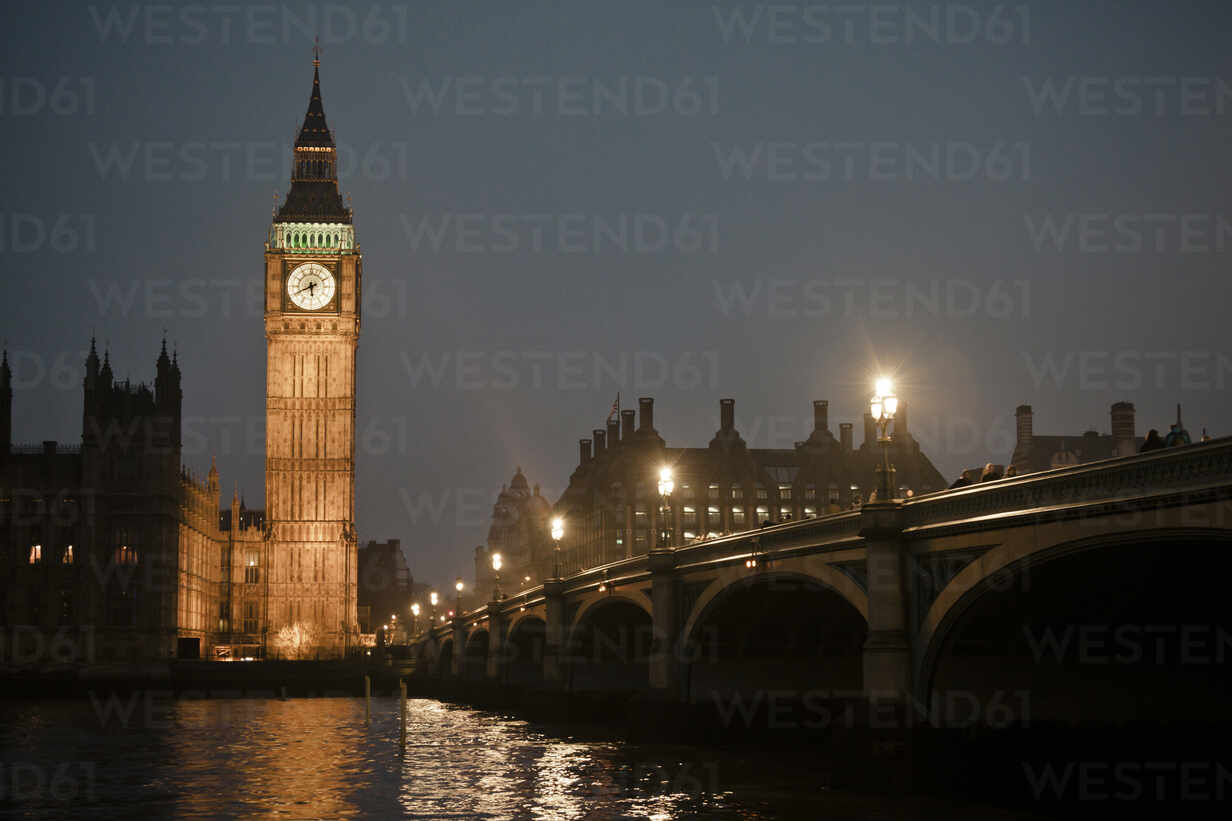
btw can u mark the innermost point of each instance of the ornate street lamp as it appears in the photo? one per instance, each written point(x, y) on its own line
point(666, 486)
point(457, 585)
point(415, 618)
point(883, 406)
point(496, 566)
point(558, 532)
point(434, 599)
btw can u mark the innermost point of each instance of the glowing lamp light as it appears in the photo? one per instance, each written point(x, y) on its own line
point(558, 528)
point(496, 561)
point(415, 609)
point(458, 585)
point(666, 485)
point(884, 386)
point(432, 597)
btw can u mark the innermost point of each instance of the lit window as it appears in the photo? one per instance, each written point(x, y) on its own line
point(785, 493)
point(67, 558)
point(737, 492)
point(762, 493)
point(763, 513)
point(833, 494)
point(36, 553)
point(252, 572)
point(713, 511)
point(810, 492)
point(784, 514)
point(689, 534)
point(737, 515)
point(713, 491)
point(126, 555)
point(810, 512)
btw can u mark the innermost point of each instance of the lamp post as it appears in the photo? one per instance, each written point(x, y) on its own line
point(457, 585)
point(496, 566)
point(433, 598)
point(414, 618)
point(558, 531)
point(666, 486)
point(883, 406)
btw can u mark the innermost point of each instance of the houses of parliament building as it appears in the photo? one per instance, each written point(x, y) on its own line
point(111, 550)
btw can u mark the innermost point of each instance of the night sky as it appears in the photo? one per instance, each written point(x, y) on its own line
point(1000, 204)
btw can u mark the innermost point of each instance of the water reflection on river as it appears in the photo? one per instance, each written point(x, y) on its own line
point(316, 758)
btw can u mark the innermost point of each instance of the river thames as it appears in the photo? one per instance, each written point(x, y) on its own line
point(317, 758)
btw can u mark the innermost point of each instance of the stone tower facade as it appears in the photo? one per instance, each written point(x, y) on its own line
point(312, 320)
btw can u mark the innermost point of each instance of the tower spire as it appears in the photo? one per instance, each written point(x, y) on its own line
point(314, 195)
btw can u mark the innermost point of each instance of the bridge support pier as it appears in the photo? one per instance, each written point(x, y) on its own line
point(554, 633)
point(887, 650)
point(664, 651)
point(459, 646)
point(497, 655)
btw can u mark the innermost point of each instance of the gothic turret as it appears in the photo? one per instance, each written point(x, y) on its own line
point(168, 397)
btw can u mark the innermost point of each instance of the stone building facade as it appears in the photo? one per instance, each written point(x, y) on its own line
point(521, 533)
point(611, 506)
point(1034, 452)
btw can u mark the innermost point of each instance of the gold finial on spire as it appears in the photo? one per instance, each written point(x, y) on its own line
point(316, 51)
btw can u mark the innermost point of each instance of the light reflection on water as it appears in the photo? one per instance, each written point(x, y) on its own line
point(316, 758)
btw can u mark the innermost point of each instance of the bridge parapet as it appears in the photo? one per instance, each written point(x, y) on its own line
point(1168, 470)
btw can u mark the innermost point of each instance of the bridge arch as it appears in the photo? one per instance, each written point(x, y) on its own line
point(475, 655)
point(609, 642)
point(523, 648)
point(443, 662)
point(796, 628)
point(800, 568)
point(1084, 625)
point(598, 600)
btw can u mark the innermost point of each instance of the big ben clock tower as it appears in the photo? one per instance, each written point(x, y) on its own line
point(312, 307)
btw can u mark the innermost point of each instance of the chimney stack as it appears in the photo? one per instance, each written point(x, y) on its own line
point(583, 451)
point(600, 442)
point(1023, 417)
point(1123, 428)
point(870, 430)
point(613, 433)
point(627, 425)
point(844, 436)
point(821, 415)
point(900, 420)
point(646, 411)
point(727, 414)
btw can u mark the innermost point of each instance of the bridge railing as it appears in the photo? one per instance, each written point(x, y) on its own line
point(1165, 470)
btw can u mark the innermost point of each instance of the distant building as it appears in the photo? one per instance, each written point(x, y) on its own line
point(385, 584)
point(110, 550)
point(611, 504)
point(520, 532)
point(1033, 452)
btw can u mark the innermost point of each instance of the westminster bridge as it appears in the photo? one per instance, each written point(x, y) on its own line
point(1097, 591)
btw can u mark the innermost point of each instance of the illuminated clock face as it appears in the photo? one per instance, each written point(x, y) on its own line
point(311, 286)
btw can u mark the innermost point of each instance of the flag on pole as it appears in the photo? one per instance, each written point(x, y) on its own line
point(615, 409)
